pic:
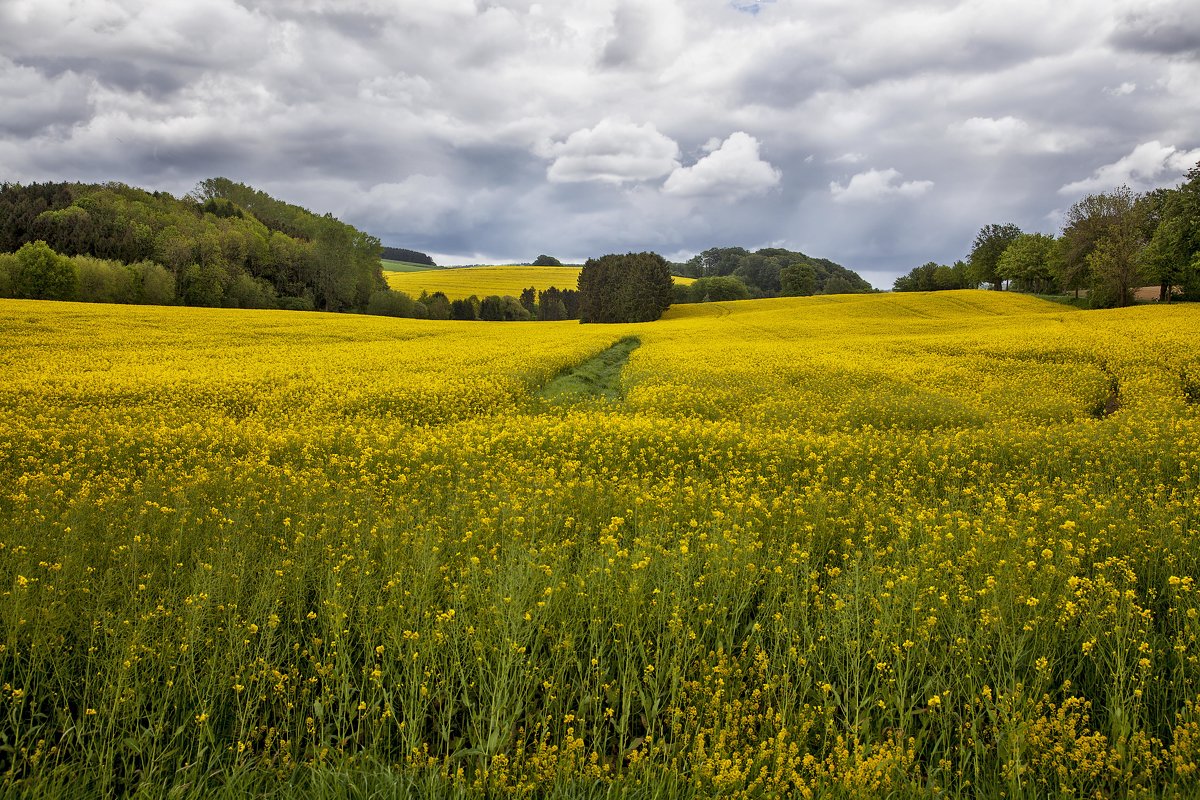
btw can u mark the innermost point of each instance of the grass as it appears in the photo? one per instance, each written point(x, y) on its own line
point(598, 377)
point(404, 266)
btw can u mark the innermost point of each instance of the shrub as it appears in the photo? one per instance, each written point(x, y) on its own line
point(39, 273)
point(391, 303)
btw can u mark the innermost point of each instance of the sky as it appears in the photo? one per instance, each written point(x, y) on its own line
point(880, 135)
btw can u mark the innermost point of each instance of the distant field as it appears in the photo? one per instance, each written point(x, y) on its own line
point(483, 281)
point(403, 266)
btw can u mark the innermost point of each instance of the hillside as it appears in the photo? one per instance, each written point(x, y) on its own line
point(224, 244)
point(775, 271)
point(789, 547)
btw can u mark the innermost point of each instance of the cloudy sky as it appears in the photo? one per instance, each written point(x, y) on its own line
point(875, 133)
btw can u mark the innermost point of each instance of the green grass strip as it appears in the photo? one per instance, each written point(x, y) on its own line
point(598, 377)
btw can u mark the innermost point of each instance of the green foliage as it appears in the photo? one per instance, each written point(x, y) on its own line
point(557, 304)
point(598, 377)
point(404, 255)
point(715, 289)
point(7, 261)
point(990, 244)
point(391, 303)
point(773, 271)
point(155, 285)
point(246, 292)
point(546, 261)
point(798, 279)
point(39, 273)
point(635, 287)
point(934, 277)
point(223, 227)
point(1027, 262)
point(465, 309)
point(437, 305)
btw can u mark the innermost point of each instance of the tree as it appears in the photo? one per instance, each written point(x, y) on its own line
point(990, 243)
point(550, 305)
point(390, 303)
point(635, 287)
point(1172, 256)
point(798, 279)
point(39, 273)
point(718, 288)
point(529, 299)
point(761, 272)
point(1087, 222)
point(464, 309)
point(1026, 262)
point(546, 261)
point(491, 308)
point(1115, 262)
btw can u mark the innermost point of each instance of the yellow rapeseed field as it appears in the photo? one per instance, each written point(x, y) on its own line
point(461, 282)
point(854, 546)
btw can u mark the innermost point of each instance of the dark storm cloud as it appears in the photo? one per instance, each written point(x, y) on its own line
point(880, 135)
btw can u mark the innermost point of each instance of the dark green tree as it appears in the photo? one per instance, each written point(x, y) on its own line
point(546, 261)
point(798, 279)
point(635, 287)
point(529, 299)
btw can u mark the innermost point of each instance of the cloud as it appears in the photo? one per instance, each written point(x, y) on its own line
point(732, 170)
point(1010, 134)
point(1150, 165)
point(646, 33)
point(874, 185)
point(1164, 28)
point(502, 127)
point(612, 152)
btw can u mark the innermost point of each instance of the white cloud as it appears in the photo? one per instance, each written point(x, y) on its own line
point(1149, 165)
point(877, 184)
point(732, 170)
point(848, 158)
point(612, 152)
point(1128, 87)
point(1010, 134)
point(646, 33)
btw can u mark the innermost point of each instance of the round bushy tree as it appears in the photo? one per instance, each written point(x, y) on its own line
point(635, 287)
point(39, 273)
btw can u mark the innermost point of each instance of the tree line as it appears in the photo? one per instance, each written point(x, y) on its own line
point(407, 256)
point(546, 305)
point(734, 273)
point(1110, 244)
point(224, 244)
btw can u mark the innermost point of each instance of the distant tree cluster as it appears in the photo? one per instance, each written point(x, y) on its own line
point(635, 287)
point(546, 261)
point(408, 256)
point(548, 304)
point(1110, 244)
point(769, 272)
point(225, 244)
